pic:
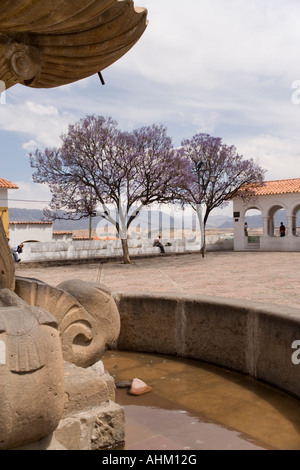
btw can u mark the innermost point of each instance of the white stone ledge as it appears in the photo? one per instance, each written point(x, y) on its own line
point(92, 249)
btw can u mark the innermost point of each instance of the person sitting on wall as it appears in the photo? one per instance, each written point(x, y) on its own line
point(15, 252)
point(157, 242)
point(282, 229)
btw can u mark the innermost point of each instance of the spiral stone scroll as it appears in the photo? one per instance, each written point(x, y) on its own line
point(86, 313)
point(25, 63)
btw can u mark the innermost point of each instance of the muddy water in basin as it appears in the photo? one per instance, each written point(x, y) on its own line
point(194, 406)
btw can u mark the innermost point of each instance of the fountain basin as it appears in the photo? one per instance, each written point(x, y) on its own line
point(244, 336)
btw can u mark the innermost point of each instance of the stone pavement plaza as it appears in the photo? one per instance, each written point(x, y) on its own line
point(268, 277)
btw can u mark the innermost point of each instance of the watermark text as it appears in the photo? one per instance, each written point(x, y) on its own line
point(2, 92)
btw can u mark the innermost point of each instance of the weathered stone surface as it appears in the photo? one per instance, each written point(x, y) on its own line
point(46, 443)
point(209, 319)
point(87, 316)
point(8, 298)
point(93, 429)
point(31, 375)
point(7, 270)
point(98, 368)
point(48, 43)
point(90, 420)
point(148, 322)
point(83, 389)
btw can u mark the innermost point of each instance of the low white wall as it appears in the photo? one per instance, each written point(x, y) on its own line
point(288, 243)
point(88, 249)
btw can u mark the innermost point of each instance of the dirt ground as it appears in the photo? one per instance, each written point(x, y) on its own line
point(271, 278)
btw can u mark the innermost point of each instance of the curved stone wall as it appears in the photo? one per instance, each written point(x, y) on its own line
point(247, 337)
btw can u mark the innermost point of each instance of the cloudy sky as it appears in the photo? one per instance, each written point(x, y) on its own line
point(230, 68)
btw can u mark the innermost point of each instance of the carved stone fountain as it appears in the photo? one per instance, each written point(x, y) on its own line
point(55, 393)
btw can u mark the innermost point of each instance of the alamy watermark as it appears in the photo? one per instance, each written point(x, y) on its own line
point(296, 354)
point(2, 92)
point(296, 94)
point(150, 222)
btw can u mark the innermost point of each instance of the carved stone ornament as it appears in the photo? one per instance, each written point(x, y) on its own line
point(48, 43)
point(31, 375)
point(87, 316)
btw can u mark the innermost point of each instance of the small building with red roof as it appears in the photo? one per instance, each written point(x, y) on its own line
point(272, 199)
point(5, 185)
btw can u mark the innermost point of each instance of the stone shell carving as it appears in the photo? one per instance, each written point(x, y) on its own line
point(48, 43)
point(87, 316)
point(31, 375)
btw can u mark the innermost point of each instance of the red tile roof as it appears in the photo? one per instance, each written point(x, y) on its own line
point(30, 223)
point(62, 232)
point(7, 184)
point(96, 238)
point(279, 187)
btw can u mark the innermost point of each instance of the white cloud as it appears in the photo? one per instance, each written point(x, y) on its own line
point(43, 124)
point(30, 195)
point(41, 110)
point(210, 42)
point(279, 156)
point(30, 146)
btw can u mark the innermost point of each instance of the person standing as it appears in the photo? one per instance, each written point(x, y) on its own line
point(282, 229)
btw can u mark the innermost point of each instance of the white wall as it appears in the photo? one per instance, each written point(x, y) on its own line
point(20, 232)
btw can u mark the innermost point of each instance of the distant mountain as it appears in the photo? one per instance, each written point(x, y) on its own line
point(35, 215)
point(214, 221)
point(25, 215)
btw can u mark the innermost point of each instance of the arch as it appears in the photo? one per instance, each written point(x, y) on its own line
point(296, 221)
point(256, 207)
point(253, 224)
point(276, 212)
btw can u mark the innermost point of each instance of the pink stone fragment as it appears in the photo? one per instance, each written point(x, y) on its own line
point(138, 387)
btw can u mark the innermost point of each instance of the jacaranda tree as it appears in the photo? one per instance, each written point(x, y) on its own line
point(98, 165)
point(217, 173)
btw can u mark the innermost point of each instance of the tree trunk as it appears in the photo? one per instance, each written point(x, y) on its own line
point(126, 257)
point(90, 228)
point(204, 242)
point(202, 229)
